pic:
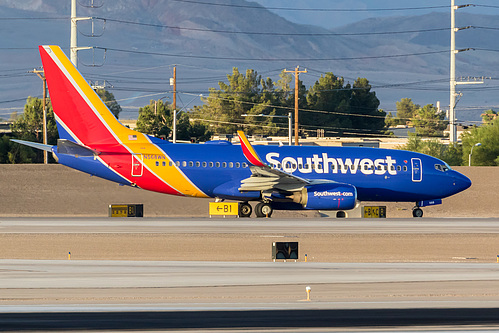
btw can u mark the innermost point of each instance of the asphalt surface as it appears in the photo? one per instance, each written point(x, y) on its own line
point(288, 320)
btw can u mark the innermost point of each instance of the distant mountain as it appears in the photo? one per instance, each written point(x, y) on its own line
point(196, 37)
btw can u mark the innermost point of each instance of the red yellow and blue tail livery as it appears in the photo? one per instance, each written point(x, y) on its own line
point(92, 140)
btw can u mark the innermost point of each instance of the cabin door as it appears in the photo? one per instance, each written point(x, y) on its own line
point(417, 173)
point(137, 166)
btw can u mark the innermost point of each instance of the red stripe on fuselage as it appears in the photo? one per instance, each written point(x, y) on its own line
point(73, 110)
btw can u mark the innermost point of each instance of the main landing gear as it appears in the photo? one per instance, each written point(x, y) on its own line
point(262, 209)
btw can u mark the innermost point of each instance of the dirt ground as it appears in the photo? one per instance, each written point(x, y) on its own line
point(55, 190)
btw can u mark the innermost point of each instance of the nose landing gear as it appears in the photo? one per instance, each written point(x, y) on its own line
point(417, 212)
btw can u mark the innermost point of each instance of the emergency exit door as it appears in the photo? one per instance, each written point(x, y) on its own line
point(137, 166)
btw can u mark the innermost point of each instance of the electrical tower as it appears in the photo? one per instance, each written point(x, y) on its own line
point(73, 46)
point(453, 82)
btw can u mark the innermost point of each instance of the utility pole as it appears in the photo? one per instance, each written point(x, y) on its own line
point(297, 88)
point(173, 82)
point(453, 83)
point(41, 75)
point(73, 45)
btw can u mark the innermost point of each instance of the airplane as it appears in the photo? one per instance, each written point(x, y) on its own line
point(283, 177)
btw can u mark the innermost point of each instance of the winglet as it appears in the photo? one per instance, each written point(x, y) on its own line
point(248, 150)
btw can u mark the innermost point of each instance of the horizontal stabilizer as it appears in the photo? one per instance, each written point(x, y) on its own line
point(72, 148)
point(36, 145)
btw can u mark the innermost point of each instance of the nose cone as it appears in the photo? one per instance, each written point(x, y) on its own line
point(460, 182)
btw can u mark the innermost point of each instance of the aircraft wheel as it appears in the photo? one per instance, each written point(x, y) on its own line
point(417, 212)
point(263, 209)
point(245, 209)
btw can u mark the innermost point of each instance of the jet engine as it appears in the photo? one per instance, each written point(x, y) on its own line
point(329, 196)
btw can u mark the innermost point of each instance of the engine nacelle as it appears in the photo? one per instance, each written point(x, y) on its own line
point(327, 197)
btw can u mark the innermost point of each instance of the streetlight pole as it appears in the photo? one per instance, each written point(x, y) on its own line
point(471, 152)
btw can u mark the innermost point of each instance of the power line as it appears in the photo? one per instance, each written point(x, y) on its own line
point(272, 59)
point(306, 34)
point(311, 9)
point(32, 18)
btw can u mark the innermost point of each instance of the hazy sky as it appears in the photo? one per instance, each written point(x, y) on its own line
point(331, 19)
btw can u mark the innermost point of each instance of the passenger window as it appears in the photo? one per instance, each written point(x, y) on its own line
point(231, 165)
point(204, 164)
point(157, 163)
point(184, 164)
point(399, 168)
point(211, 164)
point(191, 164)
point(178, 163)
point(224, 164)
point(170, 163)
point(245, 165)
point(405, 167)
point(198, 164)
point(164, 163)
point(217, 164)
point(238, 164)
point(332, 166)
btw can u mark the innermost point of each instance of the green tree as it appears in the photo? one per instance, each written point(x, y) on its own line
point(29, 126)
point(155, 119)
point(244, 94)
point(429, 122)
point(451, 154)
point(488, 116)
point(343, 108)
point(331, 99)
point(110, 101)
point(488, 136)
point(366, 117)
point(406, 110)
point(5, 147)
point(191, 131)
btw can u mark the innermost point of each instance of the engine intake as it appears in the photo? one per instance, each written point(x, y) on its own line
point(327, 197)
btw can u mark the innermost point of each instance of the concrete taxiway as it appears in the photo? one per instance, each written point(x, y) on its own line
point(218, 273)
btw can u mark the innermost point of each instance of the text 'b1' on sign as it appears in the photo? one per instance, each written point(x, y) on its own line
point(224, 208)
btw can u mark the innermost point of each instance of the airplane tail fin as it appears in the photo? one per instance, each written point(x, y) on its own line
point(81, 115)
point(248, 150)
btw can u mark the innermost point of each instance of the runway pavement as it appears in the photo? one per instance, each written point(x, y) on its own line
point(245, 226)
point(370, 273)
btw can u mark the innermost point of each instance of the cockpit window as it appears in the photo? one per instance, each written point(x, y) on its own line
point(442, 167)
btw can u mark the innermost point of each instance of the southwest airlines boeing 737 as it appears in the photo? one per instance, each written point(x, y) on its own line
point(92, 140)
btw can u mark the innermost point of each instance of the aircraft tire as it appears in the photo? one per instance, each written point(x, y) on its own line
point(417, 212)
point(245, 209)
point(263, 209)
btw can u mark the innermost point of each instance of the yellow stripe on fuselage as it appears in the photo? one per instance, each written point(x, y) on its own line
point(169, 174)
point(133, 141)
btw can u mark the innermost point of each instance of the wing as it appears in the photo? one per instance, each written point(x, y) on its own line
point(263, 177)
